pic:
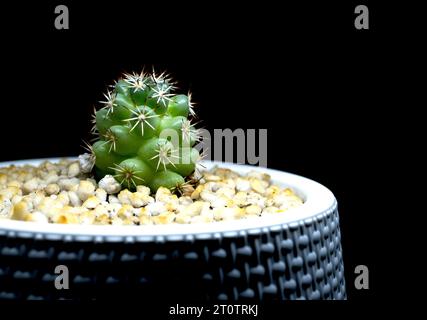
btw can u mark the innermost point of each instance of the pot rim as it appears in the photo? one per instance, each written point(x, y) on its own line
point(318, 201)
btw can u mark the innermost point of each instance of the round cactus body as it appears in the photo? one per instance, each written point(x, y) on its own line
point(145, 133)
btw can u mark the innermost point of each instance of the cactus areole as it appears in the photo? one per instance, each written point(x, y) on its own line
point(145, 133)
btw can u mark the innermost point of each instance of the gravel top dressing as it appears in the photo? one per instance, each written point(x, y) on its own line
point(64, 193)
point(141, 169)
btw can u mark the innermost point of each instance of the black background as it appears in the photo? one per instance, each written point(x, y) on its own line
point(300, 70)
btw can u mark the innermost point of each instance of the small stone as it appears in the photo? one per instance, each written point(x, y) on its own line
point(73, 170)
point(226, 192)
point(211, 177)
point(163, 194)
point(155, 208)
point(85, 190)
point(65, 218)
point(196, 194)
point(187, 190)
point(101, 210)
point(270, 210)
point(256, 199)
point(124, 196)
point(207, 195)
point(182, 219)
point(143, 189)
point(240, 199)
point(202, 219)
point(109, 184)
point(49, 206)
point(64, 198)
point(52, 188)
point(195, 208)
point(185, 200)
point(259, 186)
point(117, 222)
point(91, 202)
point(164, 218)
point(87, 161)
point(9, 192)
point(87, 218)
point(126, 211)
point(51, 177)
point(74, 199)
point(30, 186)
point(145, 220)
point(6, 208)
point(243, 185)
point(227, 213)
point(253, 210)
point(113, 199)
point(258, 175)
point(20, 210)
point(139, 199)
point(101, 194)
point(16, 198)
point(37, 217)
point(69, 184)
point(15, 184)
point(36, 198)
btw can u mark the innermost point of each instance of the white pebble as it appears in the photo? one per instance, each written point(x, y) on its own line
point(101, 194)
point(51, 177)
point(208, 196)
point(30, 186)
point(68, 183)
point(64, 198)
point(185, 201)
point(256, 199)
point(143, 189)
point(113, 199)
point(87, 162)
point(124, 196)
point(5, 208)
point(155, 208)
point(74, 199)
point(109, 184)
point(37, 216)
point(242, 185)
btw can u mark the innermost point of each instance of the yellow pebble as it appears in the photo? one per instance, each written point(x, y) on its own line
point(259, 186)
point(196, 193)
point(85, 190)
point(145, 220)
point(253, 209)
point(183, 218)
point(164, 218)
point(138, 199)
point(15, 184)
point(91, 202)
point(65, 218)
point(20, 210)
point(124, 196)
point(125, 211)
point(9, 192)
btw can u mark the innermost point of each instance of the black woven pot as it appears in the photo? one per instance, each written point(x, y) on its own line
point(294, 255)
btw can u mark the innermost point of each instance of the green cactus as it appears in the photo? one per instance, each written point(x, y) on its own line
point(145, 134)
